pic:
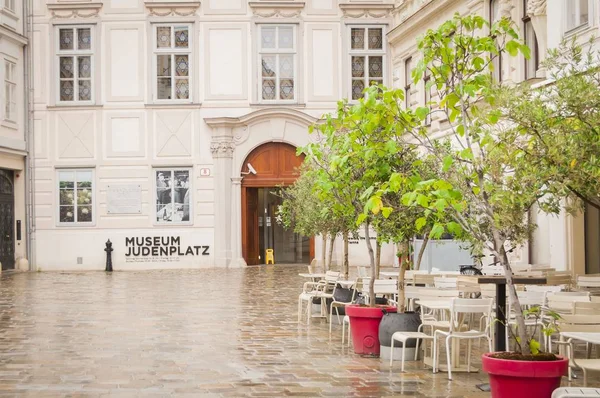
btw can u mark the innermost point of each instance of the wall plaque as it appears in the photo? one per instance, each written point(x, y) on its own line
point(124, 199)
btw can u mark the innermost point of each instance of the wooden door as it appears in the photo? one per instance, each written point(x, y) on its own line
point(7, 215)
point(250, 238)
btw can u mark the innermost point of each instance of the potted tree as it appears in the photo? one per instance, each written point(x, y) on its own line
point(485, 184)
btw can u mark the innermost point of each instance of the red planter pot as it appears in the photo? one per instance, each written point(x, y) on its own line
point(364, 323)
point(523, 379)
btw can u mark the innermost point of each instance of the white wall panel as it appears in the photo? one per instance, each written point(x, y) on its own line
point(323, 71)
point(226, 57)
point(124, 63)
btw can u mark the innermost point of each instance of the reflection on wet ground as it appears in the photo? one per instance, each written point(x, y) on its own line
point(215, 332)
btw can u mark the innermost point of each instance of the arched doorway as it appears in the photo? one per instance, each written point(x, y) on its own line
point(276, 165)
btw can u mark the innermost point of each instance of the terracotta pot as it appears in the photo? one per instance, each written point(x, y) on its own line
point(523, 379)
point(364, 323)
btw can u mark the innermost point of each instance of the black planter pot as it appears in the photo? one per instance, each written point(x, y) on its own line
point(392, 323)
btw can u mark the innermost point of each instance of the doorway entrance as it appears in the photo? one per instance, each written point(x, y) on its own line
point(275, 166)
point(7, 216)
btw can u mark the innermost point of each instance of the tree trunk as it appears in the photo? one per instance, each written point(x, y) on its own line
point(330, 252)
point(378, 254)
point(372, 261)
point(324, 236)
point(513, 299)
point(404, 262)
point(346, 264)
point(422, 251)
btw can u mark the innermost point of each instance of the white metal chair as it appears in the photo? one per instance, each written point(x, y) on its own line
point(445, 283)
point(527, 299)
point(573, 392)
point(323, 290)
point(339, 304)
point(459, 329)
point(589, 282)
point(584, 324)
point(403, 337)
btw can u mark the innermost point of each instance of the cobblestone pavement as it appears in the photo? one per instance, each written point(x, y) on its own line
point(213, 333)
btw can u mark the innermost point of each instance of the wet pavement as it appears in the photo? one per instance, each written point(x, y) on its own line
point(201, 333)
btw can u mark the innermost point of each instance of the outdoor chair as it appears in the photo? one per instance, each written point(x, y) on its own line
point(562, 303)
point(317, 290)
point(573, 392)
point(527, 299)
point(460, 311)
point(336, 304)
point(445, 283)
point(583, 324)
point(434, 318)
point(589, 283)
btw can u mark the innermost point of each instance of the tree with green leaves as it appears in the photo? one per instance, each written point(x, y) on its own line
point(484, 188)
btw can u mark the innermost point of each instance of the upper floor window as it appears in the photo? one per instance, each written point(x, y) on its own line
point(10, 91)
point(407, 82)
point(497, 61)
point(173, 190)
point(9, 5)
point(578, 13)
point(75, 56)
point(172, 53)
point(367, 55)
point(75, 196)
point(532, 64)
point(427, 97)
point(278, 63)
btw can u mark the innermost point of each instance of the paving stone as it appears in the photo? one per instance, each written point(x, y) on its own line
point(196, 333)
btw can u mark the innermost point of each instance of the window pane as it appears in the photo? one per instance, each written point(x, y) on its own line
point(357, 88)
point(358, 66)
point(84, 38)
point(286, 37)
point(66, 90)
point(268, 65)
point(66, 67)
point(181, 37)
point(375, 39)
point(164, 88)
point(85, 90)
point(182, 89)
point(66, 197)
point(84, 179)
point(182, 183)
point(84, 213)
point(267, 36)
point(163, 65)
point(375, 67)
point(84, 196)
point(66, 39)
point(181, 65)
point(7, 114)
point(85, 67)
point(286, 66)
point(68, 178)
point(163, 213)
point(357, 37)
point(163, 187)
point(67, 214)
point(163, 36)
point(583, 12)
point(268, 89)
point(286, 89)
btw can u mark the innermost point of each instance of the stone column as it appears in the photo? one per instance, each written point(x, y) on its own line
point(237, 260)
point(505, 9)
point(222, 148)
point(536, 9)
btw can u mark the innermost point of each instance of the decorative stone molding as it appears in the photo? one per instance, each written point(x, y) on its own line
point(505, 9)
point(222, 149)
point(368, 10)
point(277, 9)
point(74, 10)
point(171, 8)
point(536, 8)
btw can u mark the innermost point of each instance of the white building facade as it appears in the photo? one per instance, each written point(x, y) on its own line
point(147, 114)
point(15, 129)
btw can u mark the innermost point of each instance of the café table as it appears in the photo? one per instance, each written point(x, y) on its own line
point(500, 282)
point(314, 276)
point(588, 337)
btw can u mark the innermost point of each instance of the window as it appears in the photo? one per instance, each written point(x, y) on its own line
point(9, 5)
point(407, 82)
point(75, 64)
point(173, 190)
point(172, 53)
point(10, 91)
point(497, 61)
point(366, 58)
point(578, 13)
point(277, 62)
point(532, 64)
point(75, 196)
point(427, 97)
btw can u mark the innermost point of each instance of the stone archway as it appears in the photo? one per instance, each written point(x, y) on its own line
point(276, 164)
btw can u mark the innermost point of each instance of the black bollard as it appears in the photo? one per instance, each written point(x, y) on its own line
point(108, 251)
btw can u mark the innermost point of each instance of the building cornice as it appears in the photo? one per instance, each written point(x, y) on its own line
point(172, 8)
point(261, 115)
point(13, 36)
point(416, 19)
point(367, 9)
point(282, 9)
point(75, 9)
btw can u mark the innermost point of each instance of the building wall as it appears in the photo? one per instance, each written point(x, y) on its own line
point(123, 134)
point(13, 147)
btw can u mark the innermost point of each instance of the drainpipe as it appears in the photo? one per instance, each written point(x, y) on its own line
point(29, 136)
